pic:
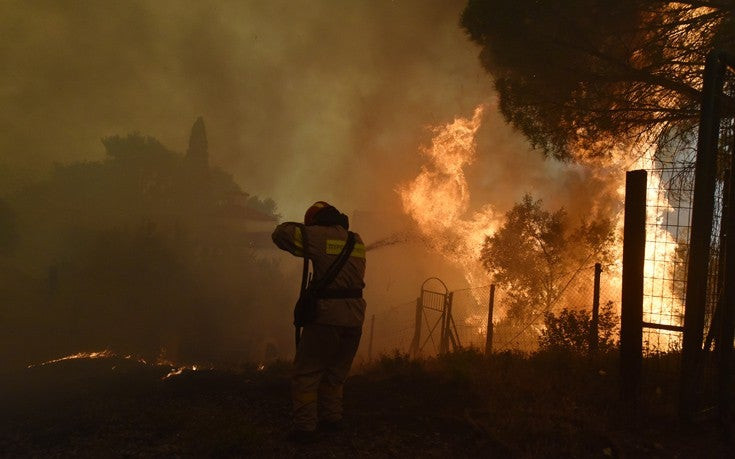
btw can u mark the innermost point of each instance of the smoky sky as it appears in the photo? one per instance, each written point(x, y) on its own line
point(302, 100)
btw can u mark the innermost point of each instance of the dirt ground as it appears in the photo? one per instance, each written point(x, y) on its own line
point(461, 406)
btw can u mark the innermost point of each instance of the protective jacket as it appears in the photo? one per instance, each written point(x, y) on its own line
point(342, 304)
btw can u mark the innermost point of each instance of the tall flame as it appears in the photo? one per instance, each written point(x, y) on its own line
point(661, 303)
point(438, 199)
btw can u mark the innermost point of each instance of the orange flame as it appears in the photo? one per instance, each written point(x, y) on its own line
point(175, 369)
point(438, 199)
point(661, 304)
point(79, 355)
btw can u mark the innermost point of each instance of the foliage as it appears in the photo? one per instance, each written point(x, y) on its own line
point(139, 252)
point(397, 362)
point(264, 205)
point(544, 405)
point(516, 333)
point(579, 77)
point(134, 145)
point(535, 252)
point(570, 330)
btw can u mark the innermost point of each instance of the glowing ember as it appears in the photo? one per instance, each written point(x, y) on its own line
point(179, 370)
point(80, 355)
point(175, 369)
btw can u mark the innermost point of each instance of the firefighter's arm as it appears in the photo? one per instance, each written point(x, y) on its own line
point(289, 237)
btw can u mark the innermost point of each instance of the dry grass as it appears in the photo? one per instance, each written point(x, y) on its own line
point(459, 405)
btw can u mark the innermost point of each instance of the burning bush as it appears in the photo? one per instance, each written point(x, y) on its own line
point(536, 254)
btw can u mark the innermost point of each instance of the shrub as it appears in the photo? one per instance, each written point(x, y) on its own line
point(570, 330)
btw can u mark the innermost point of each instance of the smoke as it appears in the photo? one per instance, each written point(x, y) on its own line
point(303, 101)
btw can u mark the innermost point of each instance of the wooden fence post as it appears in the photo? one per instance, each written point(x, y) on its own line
point(631, 314)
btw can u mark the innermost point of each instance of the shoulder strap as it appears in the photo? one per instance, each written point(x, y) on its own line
point(317, 286)
point(336, 266)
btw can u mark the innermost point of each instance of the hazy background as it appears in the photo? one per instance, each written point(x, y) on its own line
point(302, 100)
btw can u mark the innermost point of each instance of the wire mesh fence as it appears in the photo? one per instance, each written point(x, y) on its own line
point(669, 192)
point(668, 224)
point(575, 292)
point(393, 329)
point(684, 263)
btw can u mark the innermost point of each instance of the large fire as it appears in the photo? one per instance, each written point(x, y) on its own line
point(438, 200)
point(661, 303)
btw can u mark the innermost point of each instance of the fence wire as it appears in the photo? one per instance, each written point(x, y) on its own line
point(670, 200)
point(393, 328)
point(716, 281)
point(668, 223)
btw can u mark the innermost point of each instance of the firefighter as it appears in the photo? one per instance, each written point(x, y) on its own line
point(329, 341)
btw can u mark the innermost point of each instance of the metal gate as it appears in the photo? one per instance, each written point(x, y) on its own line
point(434, 322)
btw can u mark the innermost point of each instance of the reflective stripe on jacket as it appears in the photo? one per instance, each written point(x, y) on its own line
point(324, 244)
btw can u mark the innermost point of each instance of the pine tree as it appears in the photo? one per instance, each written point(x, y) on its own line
point(198, 154)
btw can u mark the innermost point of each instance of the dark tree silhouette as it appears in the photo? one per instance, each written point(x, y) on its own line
point(569, 330)
point(579, 77)
point(198, 153)
point(143, 255)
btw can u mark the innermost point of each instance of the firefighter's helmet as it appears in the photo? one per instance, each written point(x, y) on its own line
point(310, 215)
point(324, 214)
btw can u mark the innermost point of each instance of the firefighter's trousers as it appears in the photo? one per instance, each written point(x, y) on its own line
point(323, 359)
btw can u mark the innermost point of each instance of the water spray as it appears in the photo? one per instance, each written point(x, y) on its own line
point(400, 237)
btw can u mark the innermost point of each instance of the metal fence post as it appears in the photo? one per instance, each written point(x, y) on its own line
point(416, 343)
point(594, 324)
point(370, 343)
point(489, 335)
point(700, 236)
point(631, 314)
point(727, 328)
point(443, 331)
point(448, 325)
